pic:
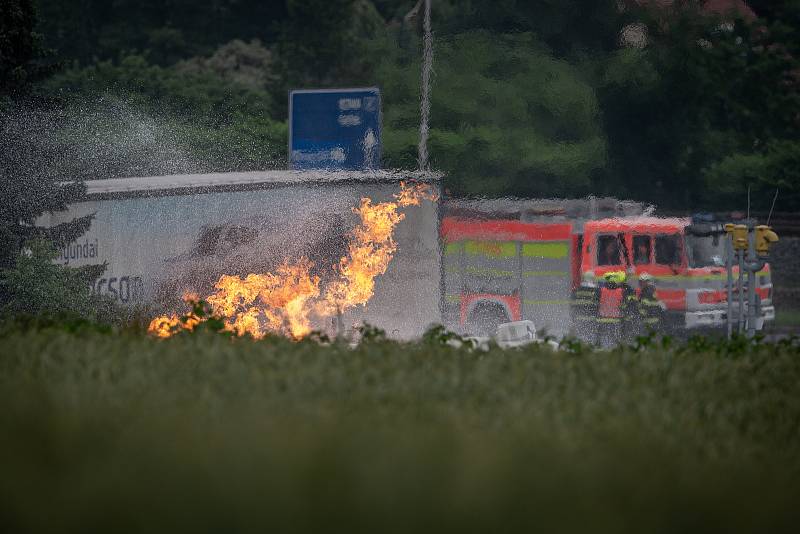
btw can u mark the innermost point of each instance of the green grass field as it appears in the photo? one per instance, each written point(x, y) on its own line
point(116, 432)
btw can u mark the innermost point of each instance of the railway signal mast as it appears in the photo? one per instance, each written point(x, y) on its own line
point(751, 243)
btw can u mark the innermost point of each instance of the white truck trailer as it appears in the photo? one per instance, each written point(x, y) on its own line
point(164, 236)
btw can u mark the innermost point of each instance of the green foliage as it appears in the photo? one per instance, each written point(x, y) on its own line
point(775, 166)
point(702, 111)
point(439, 335)
point(21, 51)
point(573, 345)
point(207, 433)
point(203, 94)
point(250, 144)
point(64, 322)
point(321, 40)
point(507, 117)
point(91, 30)
point(36, 286)
point(570, 28)
point(372, 334)
point(249, 64)
point(133, 118)
point(208, 322)
point(30, 181)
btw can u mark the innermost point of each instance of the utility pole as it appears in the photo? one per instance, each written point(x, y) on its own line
point(753, 266)
point(425, 100)
point(755, 241)
point(729, 270)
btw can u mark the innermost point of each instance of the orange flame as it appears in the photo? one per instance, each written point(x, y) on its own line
point(167, 325)
point(284, 302)
point(267, 302)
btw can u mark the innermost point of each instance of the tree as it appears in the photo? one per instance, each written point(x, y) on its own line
point(248, 64)
point(709, 106)
point(191, 89)
point(507, 117)
point(570, 28)
point(163, 32)
point(133, 118)
point(322, 43)
point(760, 107)
point(35, 286)
point(29, 187)
point(21, 51)
point(30, 190)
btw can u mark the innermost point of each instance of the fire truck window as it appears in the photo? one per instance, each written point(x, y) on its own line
point(668, 251)
point(609, 251)
point(641, 249)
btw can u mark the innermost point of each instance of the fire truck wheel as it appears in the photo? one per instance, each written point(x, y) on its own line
point(485, 318)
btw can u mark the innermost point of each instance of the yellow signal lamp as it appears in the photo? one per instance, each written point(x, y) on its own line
point(740, 237)
point(764, 238)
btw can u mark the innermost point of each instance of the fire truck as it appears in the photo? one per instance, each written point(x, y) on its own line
point(512, 260)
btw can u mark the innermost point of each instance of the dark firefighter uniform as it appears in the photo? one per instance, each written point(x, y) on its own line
point(651, 310)
point(616, 305)
point(584, 308)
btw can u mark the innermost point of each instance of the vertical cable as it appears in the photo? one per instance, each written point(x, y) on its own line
point(425, 105)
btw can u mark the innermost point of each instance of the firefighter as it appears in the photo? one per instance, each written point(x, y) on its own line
point(651, 310)
point(614, 306)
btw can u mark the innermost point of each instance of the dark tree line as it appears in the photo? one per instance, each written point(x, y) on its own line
point(537, 97)
point(677, 105)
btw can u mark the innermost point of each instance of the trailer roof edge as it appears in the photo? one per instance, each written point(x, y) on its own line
point(251, 179)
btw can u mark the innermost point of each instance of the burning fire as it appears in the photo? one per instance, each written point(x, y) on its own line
point(286, 301)
point(165, 326)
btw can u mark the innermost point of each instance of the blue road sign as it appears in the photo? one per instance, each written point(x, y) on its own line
point(335, 129)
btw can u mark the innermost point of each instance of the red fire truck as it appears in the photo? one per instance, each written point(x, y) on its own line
point(513, 260)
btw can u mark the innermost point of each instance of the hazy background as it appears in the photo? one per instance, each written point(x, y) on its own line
point(678, 102)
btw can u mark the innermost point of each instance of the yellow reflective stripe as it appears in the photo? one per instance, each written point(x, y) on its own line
point(703, 278)
point(553, 250)
point(548, 302)
point(493, 249)
point(480, 271)
point(608, 320)
point(545, 273)
point(508, 249)
point(487, 271)
point(453, 298)
point(452, 249)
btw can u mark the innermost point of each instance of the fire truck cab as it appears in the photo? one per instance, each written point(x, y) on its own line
point(688, 270)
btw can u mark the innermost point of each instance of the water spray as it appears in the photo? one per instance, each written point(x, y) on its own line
point(425, 104)
point(774, 199)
